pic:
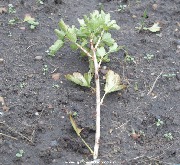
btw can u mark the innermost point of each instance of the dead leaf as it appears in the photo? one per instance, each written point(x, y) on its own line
point(56, 76)
point(113, 82)
point(3, 10)
point(28, 17)
point(5, 108)
point(2, 101)
point(154, 28)
point(77, 130)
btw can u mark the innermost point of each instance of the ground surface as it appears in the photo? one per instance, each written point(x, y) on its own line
point(36, 114)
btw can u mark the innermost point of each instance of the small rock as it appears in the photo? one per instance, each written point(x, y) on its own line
point(103, 71)
point(1, 60)
point(37, 113)
point(154, 6)
point(178, 76)
point(177, 42)
point(142, 95)
point(54, 143)
point(177, 87)
point(178, 46)
point(38, 58)
point(104, 67)
point(56, 76)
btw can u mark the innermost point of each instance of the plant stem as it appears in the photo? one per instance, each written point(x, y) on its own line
point(84, 50)
point(98, 101)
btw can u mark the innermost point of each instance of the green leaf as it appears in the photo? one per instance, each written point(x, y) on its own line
point(154, 28)
point(74, 46)
point(63, 26)
point(71, 34)
point(113, 82)
point(113, 48)
point(101, 52)
point(81, 22)
point(106, 38)
point(60, 34)
point(79, 79)
point(55, 47)
point(75, 127)
point(88, 77)
point(21, 151)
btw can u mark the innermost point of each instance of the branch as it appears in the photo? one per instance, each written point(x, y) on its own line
point(98, 101)
point(84, 50)
point(99, 40)
point(154, 83)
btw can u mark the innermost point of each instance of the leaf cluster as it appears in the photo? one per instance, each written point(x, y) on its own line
point(90, 27)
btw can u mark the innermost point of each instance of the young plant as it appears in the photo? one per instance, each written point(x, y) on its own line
point(31, 21)
point(149, 57)
point(20, 154)
point(95, 42)
point(159, 122)
point(168, 136)
point(11, 9)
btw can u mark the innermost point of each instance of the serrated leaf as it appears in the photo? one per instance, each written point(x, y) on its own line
point(71, 34)
point(81, 22)
point(55, 47)
point(154, 28)
point(75, 127)
point(113, 82)
point(88, 77)
point(63, 26)
point(74, 46)
point(60, 34)
point(101, 52)
point(113, 48)
point(106, 38)
point(78, 78)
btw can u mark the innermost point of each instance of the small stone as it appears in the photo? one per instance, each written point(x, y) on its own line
point(177, 87)
point(1, 60)
point(104, 67)
point(155, 6)
point(178, 46)
point(177, 42)
point(54, 143)
point(37, 113)
point(103, 71)
point(142, 95)
point(134, 16)
point(38, 58)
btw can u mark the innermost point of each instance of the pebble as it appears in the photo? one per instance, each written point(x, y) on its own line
point(178, 46)
point(54, 143)
point(177, 87)
point(104, 67)
point(38, 58)
point(37, 113)
point(154, 6)
point(177, 42)
point(103, 71)
point(1, 60)
point(142, 95)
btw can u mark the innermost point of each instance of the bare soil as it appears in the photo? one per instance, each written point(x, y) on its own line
point(34, 118)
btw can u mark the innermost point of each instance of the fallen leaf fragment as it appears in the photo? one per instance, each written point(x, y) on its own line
point(2, 101)
point(56, 76)
point(22, 28)
point(154, 28)
point(5, 108)
point(3, 10)
point(77, 130)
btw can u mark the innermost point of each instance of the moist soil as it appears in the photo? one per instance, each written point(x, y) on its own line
point(34, 116)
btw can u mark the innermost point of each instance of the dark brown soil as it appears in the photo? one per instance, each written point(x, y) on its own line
point(36, 120)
